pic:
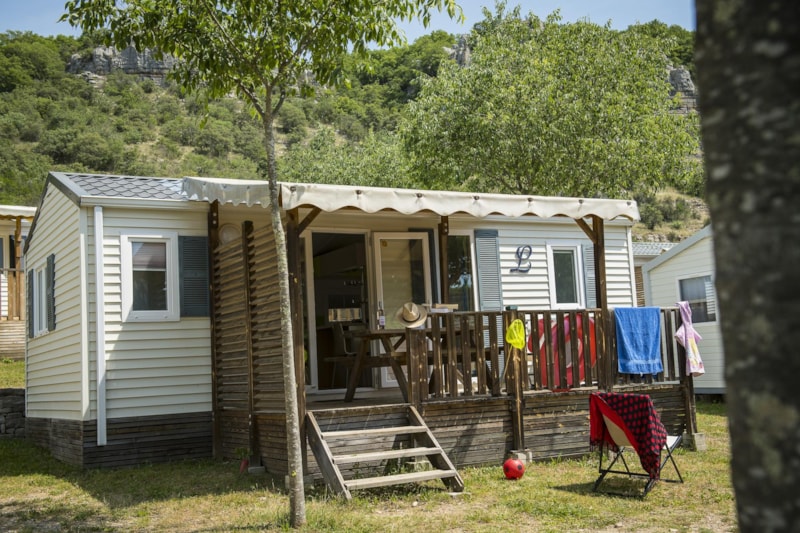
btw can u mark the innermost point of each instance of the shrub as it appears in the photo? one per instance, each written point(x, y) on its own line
point(292, 118)
point(215, 139)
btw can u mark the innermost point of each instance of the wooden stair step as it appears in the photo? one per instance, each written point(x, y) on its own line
point(387, 454)
point(399, 479)
point(377, 432)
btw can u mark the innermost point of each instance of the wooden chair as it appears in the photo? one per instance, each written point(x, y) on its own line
point(340, 354)
point(620, 422)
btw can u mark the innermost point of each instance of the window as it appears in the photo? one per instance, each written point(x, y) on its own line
point(149, 277)
point(699, 292)
point(460, 282)
point(41, 298)
point(566, 283)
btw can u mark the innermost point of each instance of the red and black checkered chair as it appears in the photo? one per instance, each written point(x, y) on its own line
point(622, 421)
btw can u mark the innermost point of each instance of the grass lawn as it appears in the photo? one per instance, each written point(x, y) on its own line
point(12, 374)
point(38, 493)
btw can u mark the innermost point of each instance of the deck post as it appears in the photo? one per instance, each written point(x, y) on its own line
point(15, 300)
point(514, 385)
point(598, 229)
point(417, 367)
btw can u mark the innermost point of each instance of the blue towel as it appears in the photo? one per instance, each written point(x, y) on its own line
point(639, 340)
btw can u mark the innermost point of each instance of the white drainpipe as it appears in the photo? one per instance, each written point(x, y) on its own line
point(100, 325)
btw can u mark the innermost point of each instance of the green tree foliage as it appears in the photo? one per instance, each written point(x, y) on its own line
point(679, 42)
point(123, 125)
point(552, 109)
point(26, 58)
point(377, 160)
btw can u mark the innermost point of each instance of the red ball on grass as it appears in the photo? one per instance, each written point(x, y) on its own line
point(513, 468)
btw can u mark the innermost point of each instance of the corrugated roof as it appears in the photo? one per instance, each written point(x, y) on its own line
point(139, 187)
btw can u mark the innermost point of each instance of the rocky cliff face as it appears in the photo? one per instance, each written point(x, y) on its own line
point(104, 60)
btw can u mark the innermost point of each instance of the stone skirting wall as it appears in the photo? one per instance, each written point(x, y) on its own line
point(12, 413)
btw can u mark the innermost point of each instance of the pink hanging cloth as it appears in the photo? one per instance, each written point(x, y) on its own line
point(687, 337)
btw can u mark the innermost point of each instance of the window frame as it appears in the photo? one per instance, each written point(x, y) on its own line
point(41, 306)
point(580, 283)
point(172, 276)
point(40, 301)
point(469, 234)
point(694, 276)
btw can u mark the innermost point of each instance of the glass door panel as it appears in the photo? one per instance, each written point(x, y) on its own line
point(403, 274)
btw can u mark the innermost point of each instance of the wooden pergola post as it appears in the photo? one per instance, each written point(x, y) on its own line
point(596, 233)
point(444, 231)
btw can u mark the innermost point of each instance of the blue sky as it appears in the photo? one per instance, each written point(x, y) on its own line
point(41, 16)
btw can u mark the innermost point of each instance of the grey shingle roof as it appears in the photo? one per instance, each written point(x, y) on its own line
point(652, 249)
point(128, 186)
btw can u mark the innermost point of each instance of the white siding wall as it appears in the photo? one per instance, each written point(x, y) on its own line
point(527, 291)
point(696, 260)
point(531, 290)
point(153, 368)
point(54, 371)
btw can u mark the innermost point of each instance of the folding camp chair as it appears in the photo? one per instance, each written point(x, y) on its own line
point(620, 421)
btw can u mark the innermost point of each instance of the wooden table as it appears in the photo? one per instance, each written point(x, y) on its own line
point(391, 340)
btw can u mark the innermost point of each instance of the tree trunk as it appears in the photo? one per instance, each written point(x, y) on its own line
point(294, 446)
point(748, 64)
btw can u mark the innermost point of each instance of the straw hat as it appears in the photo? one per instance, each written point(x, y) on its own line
point(411, 315)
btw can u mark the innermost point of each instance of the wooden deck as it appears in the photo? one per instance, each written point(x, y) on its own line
point(538, 404)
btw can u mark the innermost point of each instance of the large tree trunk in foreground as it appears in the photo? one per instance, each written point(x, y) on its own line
point(748, 64)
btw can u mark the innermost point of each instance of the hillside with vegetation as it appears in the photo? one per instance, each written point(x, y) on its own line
point(355, 134)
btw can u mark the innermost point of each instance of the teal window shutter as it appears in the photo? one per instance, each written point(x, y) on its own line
point(194, 288)
point(50, 292)
point(490, 292)
point(30, 297)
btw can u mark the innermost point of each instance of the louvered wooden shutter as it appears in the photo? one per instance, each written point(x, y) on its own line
point(490, 290)
point(589, 276)
point(490, 293)
point(193, 252)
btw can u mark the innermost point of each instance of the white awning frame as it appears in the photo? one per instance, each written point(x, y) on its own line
point(331, 198)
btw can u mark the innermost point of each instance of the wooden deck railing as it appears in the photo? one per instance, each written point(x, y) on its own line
point(464, 354)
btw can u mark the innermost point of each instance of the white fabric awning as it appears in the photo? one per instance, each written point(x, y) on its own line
point(17, 211)
point(331, 198)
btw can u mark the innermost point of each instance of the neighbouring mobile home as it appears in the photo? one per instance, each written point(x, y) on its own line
point(686, 273)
